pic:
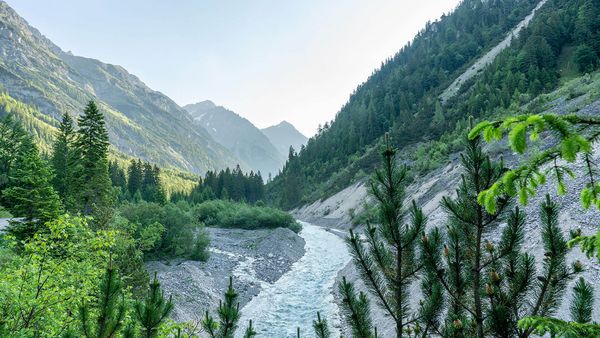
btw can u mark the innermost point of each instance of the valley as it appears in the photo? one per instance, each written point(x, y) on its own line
point(454, 194)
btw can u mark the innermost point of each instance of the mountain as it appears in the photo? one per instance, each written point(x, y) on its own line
point(407, 97)
point(45, 82)
point(238, 135)
point(285, 135)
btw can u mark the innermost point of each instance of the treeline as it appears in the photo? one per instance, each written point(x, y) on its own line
point(402, 97)
point(227, 184)
point(142, 181)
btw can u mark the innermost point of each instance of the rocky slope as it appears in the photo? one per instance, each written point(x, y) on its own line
point(141, 122)
point(254, 258)
point(428, 191)
point(489, 57)
point(238, 135)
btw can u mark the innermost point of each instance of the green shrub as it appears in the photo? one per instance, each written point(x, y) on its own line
point(225, 214)
point(166, 231)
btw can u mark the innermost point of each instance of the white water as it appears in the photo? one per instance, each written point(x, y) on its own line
point(294, 299)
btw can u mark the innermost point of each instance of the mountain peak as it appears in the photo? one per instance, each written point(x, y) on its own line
point(284, 135)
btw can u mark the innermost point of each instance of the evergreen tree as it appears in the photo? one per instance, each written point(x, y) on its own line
point(582, 306)
point(94, 195)
point(389, 262)
point(357, 311)
point(118, 179)
point(30, 194)
point(321, 328)
point(14, 142)
point(109, 308)
point(153, 311)
point(135, 177)
point(62, 155)
point(465, 251)
point(229, 315)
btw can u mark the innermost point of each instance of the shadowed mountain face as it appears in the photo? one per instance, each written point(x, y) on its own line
point(285, 135)
point(239, 136)
point(141, 122)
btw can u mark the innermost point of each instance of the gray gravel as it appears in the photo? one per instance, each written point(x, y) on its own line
point(254, 258)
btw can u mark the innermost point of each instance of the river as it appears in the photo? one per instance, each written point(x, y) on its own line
point(294, 299)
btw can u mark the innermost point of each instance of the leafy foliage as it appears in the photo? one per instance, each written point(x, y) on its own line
point(58, 269)
point(166, 231)
point(225, 214)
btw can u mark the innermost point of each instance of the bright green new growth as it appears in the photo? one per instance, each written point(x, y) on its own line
point(575, 136)
point(581, 308)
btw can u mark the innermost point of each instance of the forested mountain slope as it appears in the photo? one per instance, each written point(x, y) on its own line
point(238, 135)
point(142, 122)
point(402, 96)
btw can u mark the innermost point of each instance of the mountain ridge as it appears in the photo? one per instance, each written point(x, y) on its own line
point(142, 122)
point(238, 135)
point(283, 135)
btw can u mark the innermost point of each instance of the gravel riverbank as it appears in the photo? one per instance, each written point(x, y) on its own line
point(255, 258)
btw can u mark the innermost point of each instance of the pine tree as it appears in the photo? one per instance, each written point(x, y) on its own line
point(95, 193)
point(229, 315)
point(109, 308)
point(117, 176)
point(321, 328)
point(153, 311)
point(357, 311)
point(62, 155)
point(30, 194)
point(389, 262)
point(465, 251)
point(491, 286)
point(582, 306)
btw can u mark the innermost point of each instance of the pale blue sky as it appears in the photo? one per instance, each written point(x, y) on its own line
point(267, 60)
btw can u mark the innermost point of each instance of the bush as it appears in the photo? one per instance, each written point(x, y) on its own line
point(225, 214)
point(166, 231)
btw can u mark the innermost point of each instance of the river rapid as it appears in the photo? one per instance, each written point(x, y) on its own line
point(294, 299)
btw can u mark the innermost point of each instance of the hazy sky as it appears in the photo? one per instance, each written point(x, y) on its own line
point(267, 60)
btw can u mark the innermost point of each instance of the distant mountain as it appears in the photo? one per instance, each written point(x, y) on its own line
point(141, 122)
point(285, 135)
point(238, 135)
